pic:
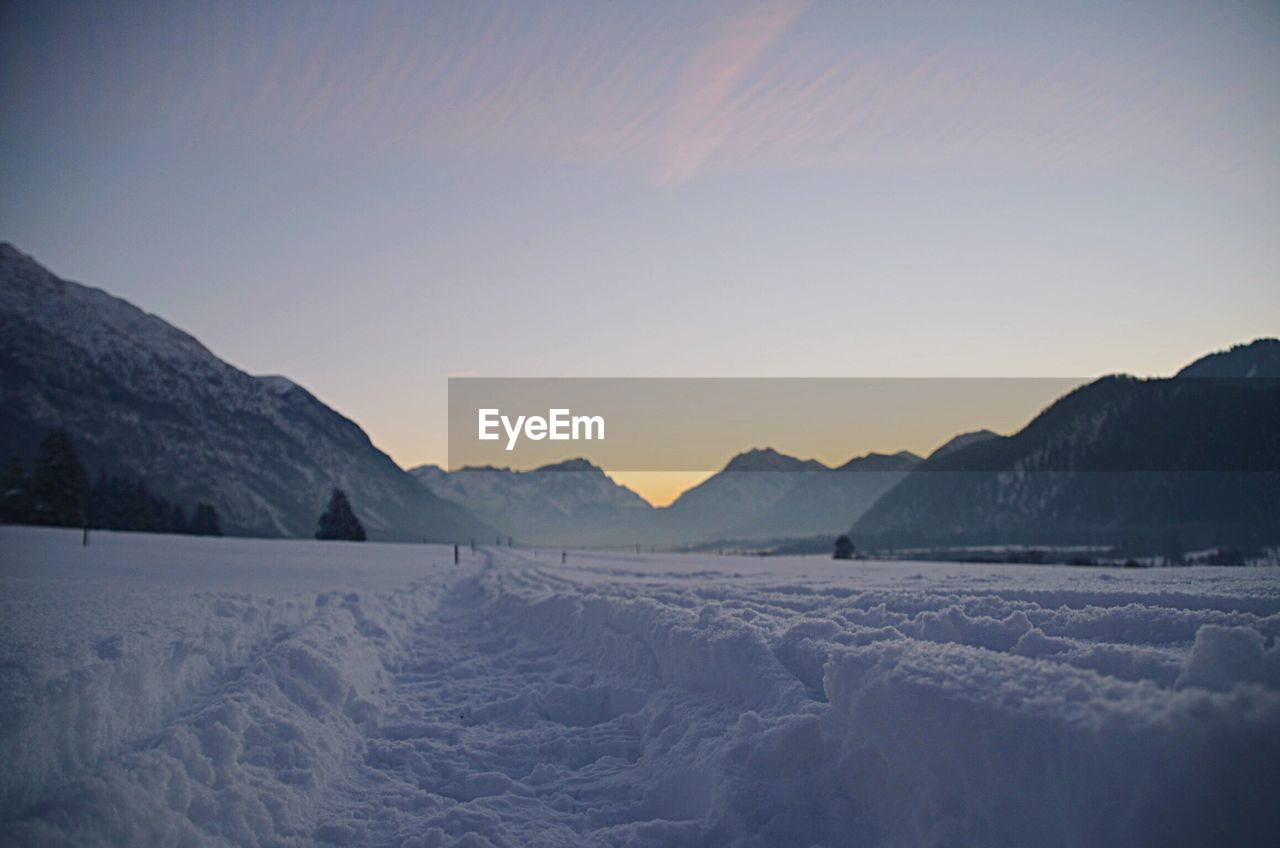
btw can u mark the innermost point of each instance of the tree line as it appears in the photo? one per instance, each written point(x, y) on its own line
point(57, 493)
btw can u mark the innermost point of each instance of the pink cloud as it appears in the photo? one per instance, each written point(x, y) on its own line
point(699, 122)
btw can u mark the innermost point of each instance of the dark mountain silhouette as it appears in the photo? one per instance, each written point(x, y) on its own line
point(763, 459)
point(143, 399)
point(1260, 358)
point(730, 503)
point(963, 440)
point(827, 503)
point(1146, 464)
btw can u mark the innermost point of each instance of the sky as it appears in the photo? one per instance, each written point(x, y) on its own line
point(371, 197)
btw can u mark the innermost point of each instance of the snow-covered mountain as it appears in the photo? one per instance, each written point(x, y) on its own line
point(139, 396)
point(1159, 465)
point(570, 503)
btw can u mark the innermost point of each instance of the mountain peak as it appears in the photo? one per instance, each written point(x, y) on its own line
point(9, 253)
point(900, 461)
point(963, 441)
point(1258, 358)
point(768, 459)
point(277, 383)
point(575, 464)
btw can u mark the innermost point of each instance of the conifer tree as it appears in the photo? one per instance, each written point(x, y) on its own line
point(204, 521)
point(339, 521)
point(15, 493)
point(177, 521)
point(59, 484)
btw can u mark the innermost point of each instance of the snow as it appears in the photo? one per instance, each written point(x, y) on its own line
point(183, 691)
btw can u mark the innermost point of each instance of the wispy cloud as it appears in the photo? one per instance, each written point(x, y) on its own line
point(674, 90)
point(701, 116)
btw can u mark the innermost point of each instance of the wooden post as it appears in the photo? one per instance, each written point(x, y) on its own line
point(85, 541)
point(455, 554)
point(564, 556)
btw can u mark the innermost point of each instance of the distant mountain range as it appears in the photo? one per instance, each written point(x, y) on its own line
point(759, 495)
point(1154, 465)
point(793, 498)
point(140, 397)
point(569, 503)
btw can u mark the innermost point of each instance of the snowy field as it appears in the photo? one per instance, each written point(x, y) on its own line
point(182, 691)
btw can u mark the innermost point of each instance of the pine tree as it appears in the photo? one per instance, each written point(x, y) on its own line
point(339, 521)
point(15, 493)
point(204, 521)
point(128, 504)
point(844, 548)
point(59, 484)
point(177, 522)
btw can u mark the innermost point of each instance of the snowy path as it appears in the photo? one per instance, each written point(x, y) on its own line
point(492, 732)
point(381, 696)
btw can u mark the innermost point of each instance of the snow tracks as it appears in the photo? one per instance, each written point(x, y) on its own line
point(619, 700)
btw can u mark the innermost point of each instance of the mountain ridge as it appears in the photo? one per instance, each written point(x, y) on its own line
point(142, 397)
point(1151, 463)
point(1259, 358)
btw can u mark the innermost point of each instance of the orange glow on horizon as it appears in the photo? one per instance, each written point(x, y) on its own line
point(659, 488)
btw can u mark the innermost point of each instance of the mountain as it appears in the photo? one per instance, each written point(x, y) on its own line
point(760, 494)
point(963, 440)
point(730, 503)
point(570, 503)
point(1260, 358)
point(1150, 465)
point(142, 398)
point(827, 503)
